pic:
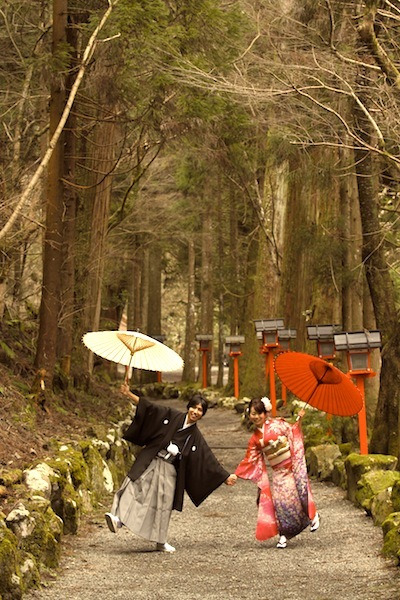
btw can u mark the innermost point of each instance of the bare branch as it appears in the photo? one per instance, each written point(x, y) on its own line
point(87, 55)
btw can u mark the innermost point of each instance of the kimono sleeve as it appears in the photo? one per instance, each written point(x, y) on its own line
point(253, 465)
point(204, 473)
point(146, 423)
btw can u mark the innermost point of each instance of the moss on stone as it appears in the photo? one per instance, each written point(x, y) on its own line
point(396, 496)
point(370, 461)
point(358, 464)
point(79, 476)
point(119, 463)
point(317, 429)
point(70, 460)
point(320, 460)
point(30, 576)
point(9, 477)
point(339, 477)
point(391, 544)
point(346, 448)
point(96, 466)
point(381, 506)
point(67, 503)
point(44, 541)
point(9, 559)
point(372, 483)
point(391, 522)
point(72, 510)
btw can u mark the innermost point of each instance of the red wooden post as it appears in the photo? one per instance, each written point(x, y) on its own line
point(266, 352)
point(204, 368)
point(236, 375)
point(358, 346)
point(159, 377)
point(362, 416)
point(205, 346)
point(272, 389)
point(234, 343)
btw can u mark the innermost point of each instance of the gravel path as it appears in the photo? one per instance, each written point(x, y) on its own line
point(217, 556)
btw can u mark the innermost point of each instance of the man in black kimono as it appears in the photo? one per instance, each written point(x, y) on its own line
point(174, 458)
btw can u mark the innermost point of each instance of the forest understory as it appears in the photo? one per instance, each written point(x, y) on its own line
point(33, 421)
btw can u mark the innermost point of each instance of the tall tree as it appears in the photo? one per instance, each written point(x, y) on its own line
point(190, 329)
point(67, 291)
point(50, 303)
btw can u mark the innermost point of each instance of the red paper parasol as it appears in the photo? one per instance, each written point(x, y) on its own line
point(318, 383)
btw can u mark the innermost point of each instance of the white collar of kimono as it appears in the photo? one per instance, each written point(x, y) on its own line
point(186, 424)
point(262, 429)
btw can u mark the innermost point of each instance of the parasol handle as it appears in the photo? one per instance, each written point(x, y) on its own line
point(127, 367)
point(312, 394)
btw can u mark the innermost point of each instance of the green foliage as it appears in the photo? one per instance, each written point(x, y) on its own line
point(7, 350)
point(60, 60)
point(191, 174)
point(23, 386)
point(278, 146)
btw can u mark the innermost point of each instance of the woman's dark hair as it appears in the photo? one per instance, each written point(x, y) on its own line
point(198, 399)
point(257, 405)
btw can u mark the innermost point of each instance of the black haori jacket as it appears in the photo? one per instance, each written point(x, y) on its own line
point(198, 471)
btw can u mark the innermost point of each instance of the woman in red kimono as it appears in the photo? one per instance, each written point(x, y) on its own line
point(286, 507)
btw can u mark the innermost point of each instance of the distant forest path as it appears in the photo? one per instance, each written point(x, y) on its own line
point(217, 556)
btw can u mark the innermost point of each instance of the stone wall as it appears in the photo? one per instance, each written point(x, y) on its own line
point(52, 497)
point(371, 482)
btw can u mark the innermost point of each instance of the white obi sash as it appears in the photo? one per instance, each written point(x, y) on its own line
point(277, 451)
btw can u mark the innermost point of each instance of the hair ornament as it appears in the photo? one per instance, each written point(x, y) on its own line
point(267, 403)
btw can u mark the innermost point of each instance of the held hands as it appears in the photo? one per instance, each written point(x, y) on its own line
point(232, 479)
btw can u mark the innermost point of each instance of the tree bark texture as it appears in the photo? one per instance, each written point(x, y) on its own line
point(220, 312)
point(189, 371)
point(153, 327)
point(67, 308)
point(353, 275)
point(385, 435)
point(311, 279)
point(207, 282)
point(50, 301)
point(134, 286)
point(103, 161)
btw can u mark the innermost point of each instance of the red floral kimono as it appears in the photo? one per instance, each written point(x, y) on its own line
point(286, 506)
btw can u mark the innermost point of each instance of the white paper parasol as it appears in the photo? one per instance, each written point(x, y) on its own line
point(133, 349)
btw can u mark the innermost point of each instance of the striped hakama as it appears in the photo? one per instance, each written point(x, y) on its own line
point(145, 505)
